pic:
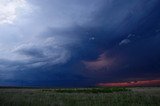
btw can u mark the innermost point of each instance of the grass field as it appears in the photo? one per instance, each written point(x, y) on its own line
point(138, 96)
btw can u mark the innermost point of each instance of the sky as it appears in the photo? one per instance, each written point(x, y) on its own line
point(79, 43)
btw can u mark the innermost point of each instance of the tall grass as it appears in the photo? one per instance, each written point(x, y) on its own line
point(63, 97)
point(87, 90)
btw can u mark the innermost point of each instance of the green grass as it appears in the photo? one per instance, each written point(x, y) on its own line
point(80, 97)
point(87, 90)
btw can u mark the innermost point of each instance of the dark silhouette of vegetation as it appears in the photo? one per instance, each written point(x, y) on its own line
point(87, 90)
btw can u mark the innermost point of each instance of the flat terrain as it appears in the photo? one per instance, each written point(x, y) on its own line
point(137, 96)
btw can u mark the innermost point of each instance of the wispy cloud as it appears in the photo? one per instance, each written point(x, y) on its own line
point(124, 42)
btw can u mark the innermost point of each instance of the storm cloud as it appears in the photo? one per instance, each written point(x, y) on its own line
point(78, 43)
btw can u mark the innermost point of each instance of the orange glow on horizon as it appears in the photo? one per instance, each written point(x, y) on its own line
point(132, 83)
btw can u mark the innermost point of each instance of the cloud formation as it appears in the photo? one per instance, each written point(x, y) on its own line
point(40, 53)
point(68, 38)
point(102, 62)
point(10, 10)
point(124, 41)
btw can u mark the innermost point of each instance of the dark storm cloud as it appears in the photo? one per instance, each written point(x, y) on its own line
point(133, 24)
point(86, 42)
